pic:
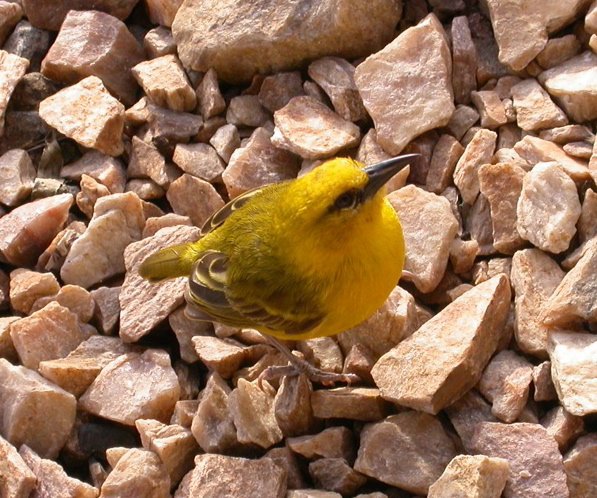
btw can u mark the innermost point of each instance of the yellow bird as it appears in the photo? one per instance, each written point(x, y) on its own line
point(309, 257)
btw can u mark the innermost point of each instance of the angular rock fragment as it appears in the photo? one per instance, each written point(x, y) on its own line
point(225, 140)
point(251, 42)
point(461, 121)
point(93, 43)
point(288, 461)
point(16, 478)
point(107, 307)
point(26, 287)
point(323, 352)
point(209, 98)
point(134, 386)
point(544, 388)
point(12, 69)
point(534, 109)
point(353, 403)
point(156, 223)
point(491, 108)
point(88, 114)
point(73, 297)
point(158, 42)
point(278, 89)
point(579, 464)
point(105, 169)
point(200, 160)
point(334, 442)
point(401, 104)
point(245, 110)
point(10, 15)
point(222, 355)
point(147, 162)
point(292, 405)
point(34, 411)
point(145, 189)
point(562, 426)
point(335, 474)
point(446, 153)
point(7, 349)
point(409, 450)
point(558, 50)
point(29, 43)
point(464, 60)
point(455, 344)
point(190, 196)
point(16, 176)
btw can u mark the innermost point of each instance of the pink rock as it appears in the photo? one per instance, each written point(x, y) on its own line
point(464, 60)
point(190, 196)
point(200, 160)
point(10, 15)
point(107, 307)
point(162, 11)
point(278, 89)
point(158, 42)
point(12, 69)
point(26, 287)
point(16, 177)
point(103, 168)
point(246, 110)
point(147, 162)
point(17, 478)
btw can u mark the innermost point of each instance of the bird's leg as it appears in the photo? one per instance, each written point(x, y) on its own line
point(300, 366)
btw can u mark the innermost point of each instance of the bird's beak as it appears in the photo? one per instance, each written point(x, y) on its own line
point(381, 172)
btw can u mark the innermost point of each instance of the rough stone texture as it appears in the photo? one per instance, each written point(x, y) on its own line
point(225, 140)
point(147, 162)
point(292, 405)
point(190, 196)
point(134, 386)
point(73, 297)
point(569, 133)
point(353, 403)
point(93, 43)
point(562, 426)
point(534, 109)
point(265, 37)
point(464, 60)
point(7, 349)
point(334, 442)
point(144, 305)
point(429, 243)
point(88, 114)
point(461, 121)
point(501, 185)
point(158, 42)
point(200, 160)
point(454, 345)
point(548, 208)
point(10, 15)
point(446, 154)
point(544, 388)
point(310, 129)
point(278, 89)
point(579, 464)
point(574, 86)
point(335, 474)
point(30, 43)
point(409, 450)
point(534, 277)
point(536, 467)
point(558, 50)
point(209, 98)
point(107, 308)
point(323, 352)
point(16, 478)
point(245, 110)
point(12, 69)
point(26, 287)
point(575, 299)
point(156, 223)
point(473, 476)
point(401, 104)
point(491, 108)
point(574, 370)
point(145, 189)
point(258, 163)
point(164, 81)
point(34, 411)
point(522, 29)
point(16, 177)
point(105, 169)
point(222, 355)
point(288, 461)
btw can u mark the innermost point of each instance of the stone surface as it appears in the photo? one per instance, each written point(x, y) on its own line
point(190, 196)
point(200, 160)
point(334, 442)
point(464, 60)
point(354, 403)
point(134, 386)
point(16, 177)
point(544, 388)
point(461, 121)
point(288, 461)
point(562, 426)
point(292, 405)
point(222, 355)
point(534, 109)
point(473, 476)
point(455, 344)
point(264, 37)
point(565, 134)
point(579, 464)
point(558, 50)
point(491, 108)
point(145, 189)
point(225, 140)
point(409, 450)
point(574, 370)
point(335, 474)
point(429, 243)
point(401, 104)
point(446, 153)
point(34, 411)
point(107, 307)
point(536, 467)
point(93, 43)
point(73, 297)
point(573, 84)
point(278, 89)
point(12, 69)
point(144, 305)
point(147, 162)
point(246, 110)
point(209, 98)
point(105, 169)
point(26, 287)
point(548, 208)
point(88, 114)
point(156, 223)
point(16, 478)
point(28, 42)
point(310, 129)
point(164, 81)
point(258, 163)
point(158, 42)
point(7, 349)
point(10, 15)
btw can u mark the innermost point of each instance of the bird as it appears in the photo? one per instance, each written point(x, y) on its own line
point(304, 258)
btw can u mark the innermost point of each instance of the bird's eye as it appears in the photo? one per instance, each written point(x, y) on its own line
point(347, 200)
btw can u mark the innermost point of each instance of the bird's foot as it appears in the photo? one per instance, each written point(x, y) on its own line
point(313, 373)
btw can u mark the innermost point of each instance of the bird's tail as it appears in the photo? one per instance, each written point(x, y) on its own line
point(174, 261)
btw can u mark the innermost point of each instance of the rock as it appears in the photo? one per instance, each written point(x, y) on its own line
point(446, 153)
point(73, 297)
point(252, 410)
point(105, 169)
point(184, 411)
point(10, 15)
point(501, 184)
point(174, 444)
point(93, 43)
point(91, 191)
point(213, 425)
point(535, 462)
point(409, 450)
point(121, 392)
point(292, 405)
point(544, 388)
point(580, 468)
point(478, 225)
point(209, 98)
point(464, 60)
point(95, 256)
point(219, 475)
point(466, 413)
point(26, 287)
point(12, 69)
point(158, 42)
point(490, 107)
point(336, 475)
point(52, 480)
point(477, 152)
point(534, 109)
point(164, 81)
point(574, 300)
point(222, 355)
point(429, 245)
point(34, 411)
point(562, 426)
point(475, 476)
point(573, 84)
point(463, 254)
point(145, 189)
point(190, 196)
point(107, 307)
point(147, 162)
point(29, 43)
point(245, 110)
point(200, 160)
point(155, 224)
point(461, 121)
point(505, 382)
point(459, 353)
point(582, 150)
point(323, 352)
point(558, 50)
point(225, 140)
point(278, 89)
point(401, 104)
point(162, 11)
point(308, 128)
point(258, 163)
point(353, 403)
point(144, 305)
point(137, 473)
point(284, 458)
point(7, 349)
point(254, 40)
point(88, 114)
point(565, 134)
point(331, 443)
point(16, 478)
point(521, 31)
point(534, 278)
point(573, 370)
point(16, 176)
point(313, 493)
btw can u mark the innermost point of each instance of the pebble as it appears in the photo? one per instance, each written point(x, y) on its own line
point(12, 69)
point(17, 175)
point(335, 474)
point(354, 403)
point(200, 160)
point(193, 197)
point(158, 42)
point(534, 108)
point(292, 404)
point(278, 89)
point(579, 464)
point(16, 478)
point(333, 442)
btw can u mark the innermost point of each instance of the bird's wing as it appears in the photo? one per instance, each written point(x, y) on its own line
point(208, 299)
point(219, 217)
